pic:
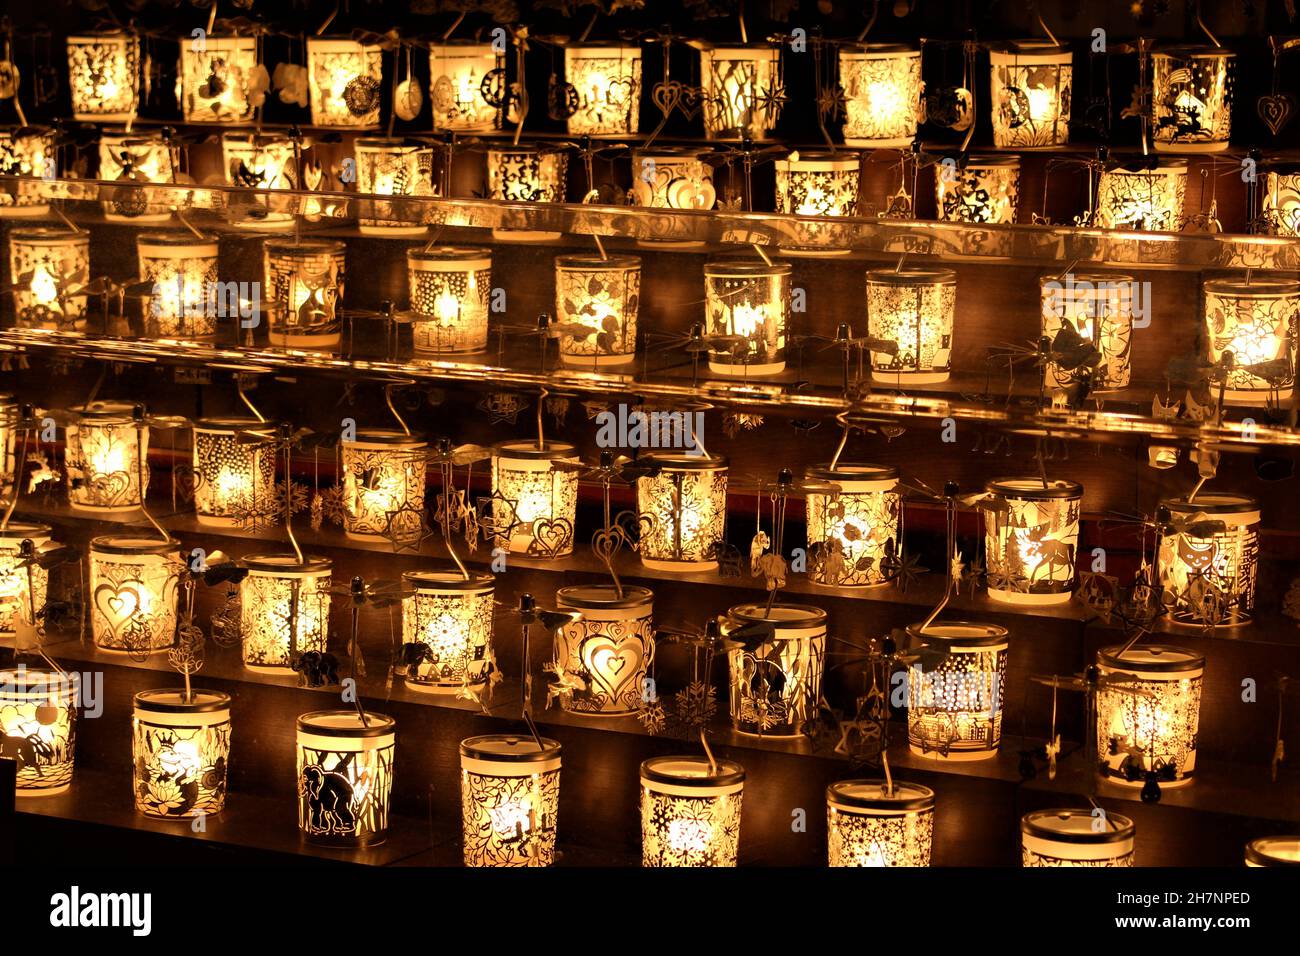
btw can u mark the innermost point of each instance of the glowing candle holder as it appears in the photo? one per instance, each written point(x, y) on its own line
point(690, 812)
point(284, 609)
point(344, 78)
point(1099, 307)
point(183, 270)
point(181, 750)
point(260, 161)
point(135, 158)
point(510, 800)
point(1273, 851)
point(527, 173)
point(604, 295)
point(607, 80)
point(46, 266)
point(881, 83)
point(104, 77)
point(9, 416)
point(1256, 320)
point(868, 825)
point(1143, 199)
point(30, 154)
point(1191, 98)
point(1209, 577)
point(609, 649)
point(1154, 733)
point(391, 167)
point(683, 508)
point(345, 777)
point(383, 484)
point(541, 499)
point(213, 82)
point(750, 299)
point(103, 458)
point(234, 470)
point(1282, 198)
point(451, 615)
point(814, 183)
point(668, 177)
point(449, 287)
point(986, 190)
point(743, 91)
point(304, 281)
point(457, 73)
point(855, 527)
point(38, 719)
point(913, 308)
point(775, 686)
point(133, 585)
point(1076, 838)
point(1031, 534)
point(954, 709)
point(23, 590)
point(1031, 83)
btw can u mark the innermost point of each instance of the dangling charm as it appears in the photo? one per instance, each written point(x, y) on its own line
point(1151, 788)
point(226, 623)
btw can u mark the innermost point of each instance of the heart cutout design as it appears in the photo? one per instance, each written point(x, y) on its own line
point(118, 604)
point(666, 96)
point(551, 536)
point(614, 663)
point(1275, 110)
point(110, 488)
point(606, 543)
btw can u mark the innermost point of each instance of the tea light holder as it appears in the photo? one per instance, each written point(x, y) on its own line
point(1076, 838)
point(913, 308)
point(1031, 534)
point(775, 687)
point(103, 458)
point(609, 648)
point(133, 587)
point(449, 287)
point(1099, 307)
point(457, 75)
point(812, 183)
point(856, 526)
point(1273, 851)
point(30, 154)
point(183, 270)
point(881, 83)
point(45, 266)
point(451, 615)
point(23, 590)
point(535, 173)
point(1191, 98)
point(1282, 198)
point(541, 498)
point(748, 298)
point(1257, 319)
point(1142, 199)
point(985, 190)
point(260, 162)
point(383, 484)
point(213, 82)
point(1152, 733)
point(304, 281)
point(234, 470)
point(132, 159)
point(683, 507)
point(742, 90)
point(1030, 87)
point(38, 718)
point(344, 79)
point(104, 77)
point(181, 752)
point(345, 777)
point(284, 609)
point(672, 177)
point(954, 708)
point(690, 812)
point(391, 167)
point(607, 81)
point(1209, 578)
point(604, 295)
point(868, 824)
point(510, 800)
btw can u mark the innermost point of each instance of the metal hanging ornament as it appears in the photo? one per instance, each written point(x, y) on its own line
point(408, 97)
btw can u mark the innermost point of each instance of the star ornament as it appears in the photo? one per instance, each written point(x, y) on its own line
point(498, 516)
point(406, 528)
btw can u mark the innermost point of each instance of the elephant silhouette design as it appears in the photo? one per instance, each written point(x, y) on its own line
point(26, 750)
point(329, 800)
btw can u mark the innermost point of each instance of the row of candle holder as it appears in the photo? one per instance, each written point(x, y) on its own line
point(690, 806)
point(741, 90)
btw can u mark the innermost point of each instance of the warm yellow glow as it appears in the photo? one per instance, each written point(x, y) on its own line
point(285, 609)
point(133, 583)
point(1209, 577)
point(1154, 726)
point(690, 812)
point(449, 290)
point(1146, 200)
point(913, 308)
point(543, 498)
point(1256, 320)
point(1191, 98)
point(213, 85)
point(103, 76)
point(46, 266)
point(607, 80)
point(954, 709)
point(38, 714)
point(345, 776)
point(510, 795)
point(1030, 86)
point(343, 80)
point(870, 825)
point(602, 294)
point(22, 589)
point(601, 660)
point(456, 74)
point(882, 94)
point(742, 91)
point(1076, 838)
point(775, 686)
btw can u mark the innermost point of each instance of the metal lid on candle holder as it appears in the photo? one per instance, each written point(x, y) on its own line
point(1151, 659)
point(511, 149)
point(526, 449)
point(286, 563)
point(742, 266)
point(260, 139)
point(18, 531)
point(586, 261)
point(1077, 826)
point(779, 615)
point(1085, 282)
point(1212, 503)
point(684, 461)
point(385, 436)
point(448, 253)
point(1148, 165)
point(673, 152)
point(50, 235)
point(1193, 51)
point(39, 683)
point(234, 424)
point(878, 49)
point(175, 239)
point(853, 471)
point(692, 772)
point(303, 248)
point(912, 276)
point(819, 160)
point(509, 748)
point(1256, 287)
point(1030, 52)
point(390, 142)
point(449, 580)
point(875, 795)
point(346, 723)
point(598, 597)
point(1033, 489)
point(106, 411)
point(130, 545)
point(578, 46)
point(960, 635)
point(1274, 851)
point(173, 701)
